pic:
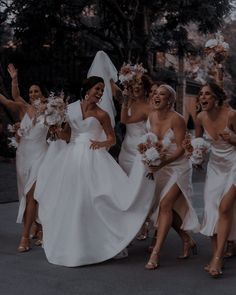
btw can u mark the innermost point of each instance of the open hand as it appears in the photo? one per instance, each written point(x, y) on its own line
point(12, 71)
point(95, 144)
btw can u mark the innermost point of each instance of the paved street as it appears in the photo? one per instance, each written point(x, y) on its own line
point(30, 273)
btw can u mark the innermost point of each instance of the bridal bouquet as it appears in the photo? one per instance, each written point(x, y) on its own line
point(196, 150)
point(54, 114)
point(129, 72)
point(16, 132)
point(152, 150)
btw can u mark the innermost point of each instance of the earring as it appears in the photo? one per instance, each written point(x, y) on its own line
point(216, 104)
point(86, 97)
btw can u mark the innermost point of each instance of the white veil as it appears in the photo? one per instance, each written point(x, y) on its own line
point(103, 67)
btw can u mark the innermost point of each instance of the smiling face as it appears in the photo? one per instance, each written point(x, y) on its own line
point(160, 98)
point(95, 93)
point(35, 93)
point(153, 90)
point(207, 98)
point(138, 89)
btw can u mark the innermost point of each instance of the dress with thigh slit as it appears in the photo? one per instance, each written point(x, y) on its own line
point(29, 156)
point(178, 172)
point(220, 177)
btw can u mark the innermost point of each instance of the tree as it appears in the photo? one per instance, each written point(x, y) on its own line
point(49, 30)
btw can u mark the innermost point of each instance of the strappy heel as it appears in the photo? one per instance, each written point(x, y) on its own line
point(24, 245)
point(230, 249)
point(216, 272)
point(154, 261)
point(190, 246)
point(39, 239)
point(143, 234)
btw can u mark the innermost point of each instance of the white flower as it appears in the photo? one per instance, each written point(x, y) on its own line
point(211, 43)
point(10, 128)
point(152, 154)
point(197, 156)
point(166, 142)
point(12, 142)
point(200, 149)
point(199, 142)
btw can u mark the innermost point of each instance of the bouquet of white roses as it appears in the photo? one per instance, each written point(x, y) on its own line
point(152, 150)
point(196, 149)
point(200, 150)
point(55, 112)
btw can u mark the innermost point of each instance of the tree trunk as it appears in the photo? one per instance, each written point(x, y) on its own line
point(180, 91)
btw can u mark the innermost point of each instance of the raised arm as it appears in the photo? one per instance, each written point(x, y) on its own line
point(116, 92)
point(14, 83)
point(13, 106)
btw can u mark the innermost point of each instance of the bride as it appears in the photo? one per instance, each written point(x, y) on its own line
point(88, 207)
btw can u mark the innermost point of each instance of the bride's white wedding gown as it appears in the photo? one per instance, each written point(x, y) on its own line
point(90, 210)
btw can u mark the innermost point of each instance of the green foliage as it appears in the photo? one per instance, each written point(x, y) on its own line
point(55, 34)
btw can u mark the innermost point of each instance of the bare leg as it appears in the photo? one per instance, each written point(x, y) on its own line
point(188, 243)
point(164, 223)
point(29, 217)
point(224, 226)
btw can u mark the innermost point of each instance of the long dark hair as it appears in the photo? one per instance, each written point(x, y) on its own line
point(88, 84)
point(218, 92)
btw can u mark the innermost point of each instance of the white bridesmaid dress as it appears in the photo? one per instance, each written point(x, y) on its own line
point(220, 177)
point(129, 145)
point(88, 207)
point(178, 172)
point(29, 156)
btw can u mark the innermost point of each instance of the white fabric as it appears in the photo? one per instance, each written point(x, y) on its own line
point(29, 156)
point(103, 67)
point(221, 176)
point(128, 152)
point(89, 209)
point(178, 172)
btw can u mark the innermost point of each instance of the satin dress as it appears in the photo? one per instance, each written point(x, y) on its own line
point(178, 172)
point(29, 156)
point(128, 152)
point(220, 177)
point(89, 209)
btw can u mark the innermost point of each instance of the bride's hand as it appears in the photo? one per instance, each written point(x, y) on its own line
point(95, 144)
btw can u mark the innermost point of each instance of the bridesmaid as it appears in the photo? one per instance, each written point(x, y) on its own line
point(218, 122)
point(29, 155)
point(172, 176)
point(136, 106)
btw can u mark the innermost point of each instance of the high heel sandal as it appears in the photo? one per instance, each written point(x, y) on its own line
point(24, 245)
point(35, 229)
point(39, 240)
point(215, 272)
point(189, 246)
point(143, 234)
point(230, 249)
point(153, 263)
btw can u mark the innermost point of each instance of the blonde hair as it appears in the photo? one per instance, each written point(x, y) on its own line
point(172, 97)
